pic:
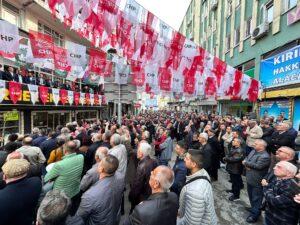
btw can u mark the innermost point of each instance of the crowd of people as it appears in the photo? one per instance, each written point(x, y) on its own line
point(43, 79)
point(78, 173)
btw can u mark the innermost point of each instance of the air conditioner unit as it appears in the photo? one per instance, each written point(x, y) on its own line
point(214, 4)
point(260, 31)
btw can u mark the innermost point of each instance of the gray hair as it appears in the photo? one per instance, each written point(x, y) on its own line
point(101, 152)
point(204, 135)
point(145, 148)
point(65, 130)
point(263, 142)
point(35, 130)
point(116, 139)
point(54, 208)
point(146, 134)
point(165, 177)
point(289, 167)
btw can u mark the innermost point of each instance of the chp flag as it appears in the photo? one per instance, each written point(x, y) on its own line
point(9, 39)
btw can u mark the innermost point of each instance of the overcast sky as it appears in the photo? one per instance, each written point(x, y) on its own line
point(170, 11)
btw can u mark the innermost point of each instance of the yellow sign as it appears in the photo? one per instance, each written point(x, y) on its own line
point(11, 116)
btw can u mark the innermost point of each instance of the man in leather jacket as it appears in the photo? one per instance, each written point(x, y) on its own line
point(162, 206)
point(235, 168)
point(140, 189)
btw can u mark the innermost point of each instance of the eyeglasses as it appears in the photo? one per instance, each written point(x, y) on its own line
point(282, 151)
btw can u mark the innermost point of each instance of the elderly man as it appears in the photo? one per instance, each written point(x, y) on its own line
point(118, 150)
point(101, 203)
point(92, 175)
point(280, 205)
point(256, 164)
point(20, 196)
point(161, 207)
point(253, 133)
point(180, 170)
point(140, 189)
point(34, 154)
point(166, 150)
point(196, 203)
point(206, 150)
point(282, 154)
point(54, 209)
point(90, 154)
point(67, 173)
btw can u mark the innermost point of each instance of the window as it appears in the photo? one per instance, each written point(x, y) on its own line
point(270, 11)
point(58, 38)
point(287, 5)
point(236, 36)
point(229, 7)
point(10, 13)
point(248, 27)
point(227, 47)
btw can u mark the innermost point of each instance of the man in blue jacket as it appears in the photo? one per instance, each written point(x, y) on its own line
point(180, 170)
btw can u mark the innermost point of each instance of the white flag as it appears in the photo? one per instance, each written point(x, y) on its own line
point(151, 75)
point(92, 99)
point(76, 72)
point(100, 99)
point(227, 81)
point(76, 54)
point(177, 82)
point(82, 98)
point(189, 51)
point(34, 93)
point(9, 41)
point(246, 81)
point(165, 30)
point(71, 97)
point(200, 84)
point(133, 11)
point(55, 94)
point(2, 90)
point(121, 74)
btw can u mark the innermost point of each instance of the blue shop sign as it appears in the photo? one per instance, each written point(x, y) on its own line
point(282, 69)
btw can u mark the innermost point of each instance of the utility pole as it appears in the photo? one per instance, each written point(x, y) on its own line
point(119, 107)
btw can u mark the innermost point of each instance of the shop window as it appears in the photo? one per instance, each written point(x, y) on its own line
point(10, 13)
point(57, 38)
point(248, 28)
point(11, 125)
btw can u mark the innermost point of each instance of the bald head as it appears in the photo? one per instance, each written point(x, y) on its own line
point(162, 178)
point(97, 137)
point(27, 141)
point(15, 155)
point(101, 153)
point(70, 147)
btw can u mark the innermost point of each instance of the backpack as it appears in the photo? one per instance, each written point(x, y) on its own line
point(197, 178)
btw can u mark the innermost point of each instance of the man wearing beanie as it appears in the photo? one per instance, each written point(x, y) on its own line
point(20, 196)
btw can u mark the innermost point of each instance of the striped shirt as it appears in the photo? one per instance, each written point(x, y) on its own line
point(67, 174)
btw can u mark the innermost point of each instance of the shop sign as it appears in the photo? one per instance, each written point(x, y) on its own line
point(275, 108)
point(11, 116)
point(47, 97)
point(282, 69)
point(296, 118)
point(293, 16)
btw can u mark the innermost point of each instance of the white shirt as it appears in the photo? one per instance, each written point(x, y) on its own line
point(120, 152)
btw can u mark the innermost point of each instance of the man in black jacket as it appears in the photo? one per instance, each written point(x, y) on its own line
point(162, 206)
point(20, 196)
point(140, 189)
point(89, 158)
point(235, 168)
point(206, 151)
point(216, 151)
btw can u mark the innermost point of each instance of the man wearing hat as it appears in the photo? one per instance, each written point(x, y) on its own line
point(180, 170)
point(20, 196)
point(196, 204)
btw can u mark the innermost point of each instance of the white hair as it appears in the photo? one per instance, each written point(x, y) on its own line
point(165, 177)
point(289, 167)
point(101, 152)
point(204, 135)
point(116, 139)
point(145, 148)
point(263, 142)
point(146, 134)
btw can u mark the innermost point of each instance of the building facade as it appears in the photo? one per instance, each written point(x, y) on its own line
point(23, 116)
point(245, 34)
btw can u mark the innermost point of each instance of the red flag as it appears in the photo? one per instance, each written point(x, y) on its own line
point(138, 78)
point(103, 100)
point(123, 31)
point(210, 86)
point(165, 77)
point(53, 3)
point(97, 61)
point(15, 91)
point(175, 51)
point(253, 90)
point(96, 99)
point(63, 96)
point(43, 91)
point(237, 83)
point(219, 69)
point(60, 59)
point(189, 83)
point(41, 44)
point(76, 98)
point(87, 98)
point(198, 61)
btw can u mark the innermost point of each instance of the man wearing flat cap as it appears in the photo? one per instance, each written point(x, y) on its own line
point(20, 196)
